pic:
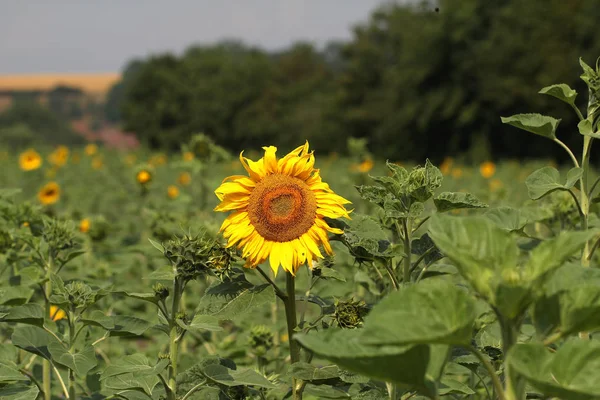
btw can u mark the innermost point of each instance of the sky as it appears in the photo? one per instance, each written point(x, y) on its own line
point(80, 36)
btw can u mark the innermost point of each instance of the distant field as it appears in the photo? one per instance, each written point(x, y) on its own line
point(91, 83)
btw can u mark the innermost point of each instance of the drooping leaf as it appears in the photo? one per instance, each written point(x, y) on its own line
point(547, 180)
point(32, 314)
point(507, 218)
point(535, 123)
point(129, 326)
point(98, 318)
point(19, 391)
point(365, 237)
point(136, 364)
point(230, 377)
point(309, 372)
point(81, 362)
point(143, 383)
point(10, 373)
point(448, 201)
point(165, 273)
point(561, 91)
point(34, 340)
point(201, 323)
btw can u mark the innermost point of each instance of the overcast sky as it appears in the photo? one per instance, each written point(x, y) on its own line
point(102, 35)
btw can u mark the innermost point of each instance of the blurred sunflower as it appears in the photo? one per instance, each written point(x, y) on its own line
point(184, 178)
point(90, 149)
point(279, 210)
point(172, 192)
point(84, 225)
point(97, 163)
point(130, 159)
point(487, 169)
point(457, 173)
point(188, 156)
point(446, 165)
point(143, 176)
point(56, 313)
point(49, 194)
point(59, 156)
point(30, 160)
point(364, 166)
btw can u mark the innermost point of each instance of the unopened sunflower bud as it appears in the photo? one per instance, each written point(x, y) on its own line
point(163, 356)
point(260, 340)
point(160, 291)
point(350, 314)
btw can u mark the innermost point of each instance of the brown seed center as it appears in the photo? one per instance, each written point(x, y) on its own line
point(282, 208)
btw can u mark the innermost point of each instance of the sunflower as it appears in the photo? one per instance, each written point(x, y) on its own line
point(97, 162)
point(184, 178)
point(56, 313)
point(59, 156)
point(188, 156)
point(30, 160)
point(49, 194)
point(173, 192)
point(84, 225)
point(487, 169)
point(278, 210)
point(143, 177)
point(91, 149)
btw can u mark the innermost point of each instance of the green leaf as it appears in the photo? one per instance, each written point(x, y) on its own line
point(157, 245)
point(127, 326)
point(98, 318)
point(448, 201)
point(230, 377)
point(308, 372)
point(165, 273)
point(34, 340)
point(230, 299)
point(586, 128)
point(81, 362)
point(561, 91)
point(481, 251)
point(535, 123)
point(373, 194)
point(569, 373)
point(433, 311)
point(32, 314)
point(150, 297)
point(331, 273)
point(144, 383)
point(365, 237)
point(547, 180)
point(19, 391)
point(507, 218)
point(202, 323)
point(15, 295)
point(136, 364)
point(452, 386)
point(361, 277)
point(412, 367)
point(10, 373)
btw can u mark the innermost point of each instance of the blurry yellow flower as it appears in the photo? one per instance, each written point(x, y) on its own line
point(284, 338)
point(173, 191)
point(26, 224)
point(91, 149)
point(487, 169)
point(49, 194)
point(446, 165)
point(184, 178)
point(56, 313)
point(143, 176)
point(364, 166)
point(188, 156)
point(130, 159)
point(158, 159)
point(59, 156)
point(495, 184)
point(84, 225)
point(278, 210)
point(30, 160)
point(97, 162)
point(457, 173)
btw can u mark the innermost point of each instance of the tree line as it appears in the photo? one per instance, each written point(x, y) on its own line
point(417, 80)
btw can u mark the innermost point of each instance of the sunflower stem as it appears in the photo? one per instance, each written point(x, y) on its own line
point(407, 249)
point(290, 315)
point(173, 340)
point(46, 367)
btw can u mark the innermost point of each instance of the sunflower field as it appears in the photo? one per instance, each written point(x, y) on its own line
point(285, 274)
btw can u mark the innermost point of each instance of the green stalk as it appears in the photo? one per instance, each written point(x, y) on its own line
point(585, 200)
point(290, 316)
point(407, 249)
point(71, 344)
point(514, 386)
point(46, 367)
point(173, 342)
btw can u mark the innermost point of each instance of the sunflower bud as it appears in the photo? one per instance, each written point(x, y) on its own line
point(260, 340)
point(79, 294)
point(161, 292)
point(59, 235)
point(350, 314)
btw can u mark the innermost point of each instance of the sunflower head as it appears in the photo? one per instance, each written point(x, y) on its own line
point(144, 176)
point(279, 210)
point(56, 314)
point(350, 314)
point(59, 156)
point(97, 162)
point(184, 179)
point(84, 225)
point(173, 191)
point(188, 156)
point(487, 169)
point(91, 149)
point(49, 194)
point(30, 160)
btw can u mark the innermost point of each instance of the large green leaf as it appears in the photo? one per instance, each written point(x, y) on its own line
point(129, 326)
point(309, 372)
point(19, 391)
point(15, 295)
point(433, 311)
point(230, 299)
point(144, 383)
point(561, 91)
point(482, 252)
point(98, 318)
point(365, 237)
point(32, 314)
point(448, 201)
point(34, 340)
point(569, 373)
point(201, 323)
point(81, 362)
point(231, 377)
point(411, 366)
point(134, 364)
point(507, 218)
point(547, 180)
point(535, 123)
point(10, 373)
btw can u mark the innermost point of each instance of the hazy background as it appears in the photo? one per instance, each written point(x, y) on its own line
point(100, 36)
